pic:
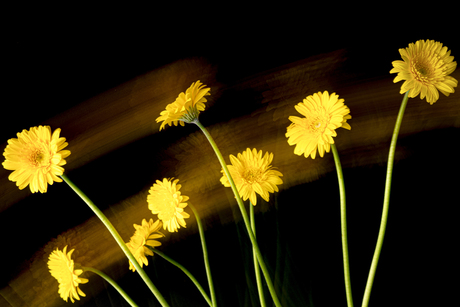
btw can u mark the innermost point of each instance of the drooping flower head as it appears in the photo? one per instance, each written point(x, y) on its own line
point(36, 158)
point(166, 200)
point(143, 237)
point(323, 114)
point(186, 107)
point(426, 67)
point(62, 268)
point(253, 174)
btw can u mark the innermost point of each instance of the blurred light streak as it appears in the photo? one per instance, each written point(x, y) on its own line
point(116, 118)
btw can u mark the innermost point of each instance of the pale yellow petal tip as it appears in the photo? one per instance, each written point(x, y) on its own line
point(323, 114)
point(425, 68)
point(36, 157)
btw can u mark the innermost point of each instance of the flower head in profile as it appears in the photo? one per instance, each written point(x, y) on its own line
point(36, 158)
point(323, 114)
point(143, 237)
point(166, 200)
point(186, 107)
point(253, 174)
point(425, 67)
point(62, 268)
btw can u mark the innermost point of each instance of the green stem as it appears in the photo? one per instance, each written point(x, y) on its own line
point(386, 202)
point(343, 219)
point(119, 240)
point(192, 278)
point(263, 267)
point(205, 255)
point(113, 283)
point(256, 263)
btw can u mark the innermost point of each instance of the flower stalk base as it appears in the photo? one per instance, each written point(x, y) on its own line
point(186, 272)
point(386, 202)
point(205, 255)
point(343, 219)
point(112, 283)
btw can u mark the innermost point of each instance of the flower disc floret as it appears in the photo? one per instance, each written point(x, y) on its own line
point(62, 268)
point(143, 237)
point(186, 107)
point(425, 69)
point(36, 158)
point(166, 200)
point(253, 174)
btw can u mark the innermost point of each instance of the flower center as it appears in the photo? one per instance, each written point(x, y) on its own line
point(318, 124)
point(252, 175)
point(38, 157)
point(421, 70)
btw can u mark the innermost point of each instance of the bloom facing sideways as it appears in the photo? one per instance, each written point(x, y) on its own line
point(62, 268)
point(426, 67)
point(253, 174)
point(186, 107)
point(36, 158)
point(144, 236)
point(323, 114)
point(166, 200)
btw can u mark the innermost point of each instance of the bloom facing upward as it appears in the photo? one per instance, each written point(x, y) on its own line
point(144, 236)
point(426, 67)
point(62, 268)
point(323, 114)
point(186, 107)
point(36, 158)
point(253, 174)
point(166, 200)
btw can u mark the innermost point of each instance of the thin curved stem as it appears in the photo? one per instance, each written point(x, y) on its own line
point(205, 255)
point(192, 278)
point(386, 202)
point(263, 267)
point(113, 283)
point(256, 262)
point(343, 219)
point(118, 239)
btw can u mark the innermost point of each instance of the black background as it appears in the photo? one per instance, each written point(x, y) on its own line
point(55, 58)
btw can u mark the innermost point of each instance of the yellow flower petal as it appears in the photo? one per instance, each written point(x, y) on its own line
point(62, 268)
point(186, 107)
point(35, 158)
point(144, 236)
point(166, 200)
point(425, 68)
point(323, 113)
point(252, 173)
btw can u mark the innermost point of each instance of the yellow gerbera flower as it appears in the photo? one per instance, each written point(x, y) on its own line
point(426, 67)
point(35, 158)
point(253, 174)
point(186, 107)
point(166, 200)
point(323, 114)
point(144, 236)
point(62, 268)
